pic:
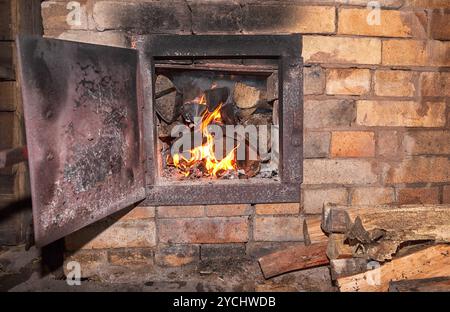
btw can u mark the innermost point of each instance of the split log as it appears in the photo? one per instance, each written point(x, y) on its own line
point(346, 267)
point(437, 284)
point(337, 249)
point(431, 262)
point(272, 87)
point(215, 97)
point(293, 258)
point(312, 232)
point(246, 96)
point(379, 231)
point(167, 100)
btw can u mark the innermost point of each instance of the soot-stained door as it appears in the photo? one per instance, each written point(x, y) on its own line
point(82, 115)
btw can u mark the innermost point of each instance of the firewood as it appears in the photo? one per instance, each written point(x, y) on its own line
point(167, 104)
point(312, 232)
point(379, 231)
point(431, 262)
point(293, 258)
point(215, 97)
point(337, 249)
point(272, 87)
point(437, 284)
point(346, 267)
point(246, 96)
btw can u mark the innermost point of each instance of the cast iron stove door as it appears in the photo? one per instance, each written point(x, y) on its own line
point(83, 130)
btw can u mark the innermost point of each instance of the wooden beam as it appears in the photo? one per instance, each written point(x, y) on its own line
point(7, 64)
point(6, 20)
point(430, 262)
point(294, 258)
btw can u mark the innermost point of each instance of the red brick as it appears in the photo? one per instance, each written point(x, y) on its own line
point(418, 170)
point(131, 257)
point(427, 4)
point(278, 229)
point(122, 234)
point(177, 255)
point(388, 143)
point(180, 211)
point(440, 24)
point(56, 15)
point(228, 210)
point(427, 142)
point(372, 196)
point(393, 23)
point(140, 212)
point(352, 144)
point(446, 194)
point(407, 196)
point(204, 230)
point(275, 209)
point(435, 84)
point(91, 261)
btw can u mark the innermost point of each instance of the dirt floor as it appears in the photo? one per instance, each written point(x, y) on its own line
point(22, 270)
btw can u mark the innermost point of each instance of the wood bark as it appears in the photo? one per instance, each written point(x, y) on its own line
point(312, 232)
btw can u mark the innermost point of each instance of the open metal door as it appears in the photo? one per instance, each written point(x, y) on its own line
point(83, 124)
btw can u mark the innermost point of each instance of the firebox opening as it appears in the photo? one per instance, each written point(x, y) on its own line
point(217, 120)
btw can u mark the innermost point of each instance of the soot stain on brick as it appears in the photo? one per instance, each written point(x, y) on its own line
point(96, 158)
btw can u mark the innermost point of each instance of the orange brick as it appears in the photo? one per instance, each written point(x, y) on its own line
point(203, 230)
point(176, 255)
point(393, 23)
point(440, 24)
point(352, 144)
point(140, 212)
point(274, 209)
point(416, 52)
point(180, 211)
point(228, 210)
point(326, 49)
point(348, 81)
point(394, 83)
point(372, 196)
point(407, 196)
point(274, 229)
point(418, 170)
point(435, 84)
point(400, 114)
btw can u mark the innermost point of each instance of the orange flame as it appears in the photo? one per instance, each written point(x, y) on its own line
point(205, 152)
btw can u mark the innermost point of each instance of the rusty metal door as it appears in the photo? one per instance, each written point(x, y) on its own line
point(83, 124)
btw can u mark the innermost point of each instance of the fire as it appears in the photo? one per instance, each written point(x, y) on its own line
point(205, 153)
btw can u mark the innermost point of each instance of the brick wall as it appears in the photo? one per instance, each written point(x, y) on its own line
point(377, 117)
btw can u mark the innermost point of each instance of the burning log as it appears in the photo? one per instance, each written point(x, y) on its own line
point(167, 99)
point(193, 111)
point(215, 97)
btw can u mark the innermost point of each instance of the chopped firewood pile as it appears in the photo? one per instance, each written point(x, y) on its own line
point(376, 248)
